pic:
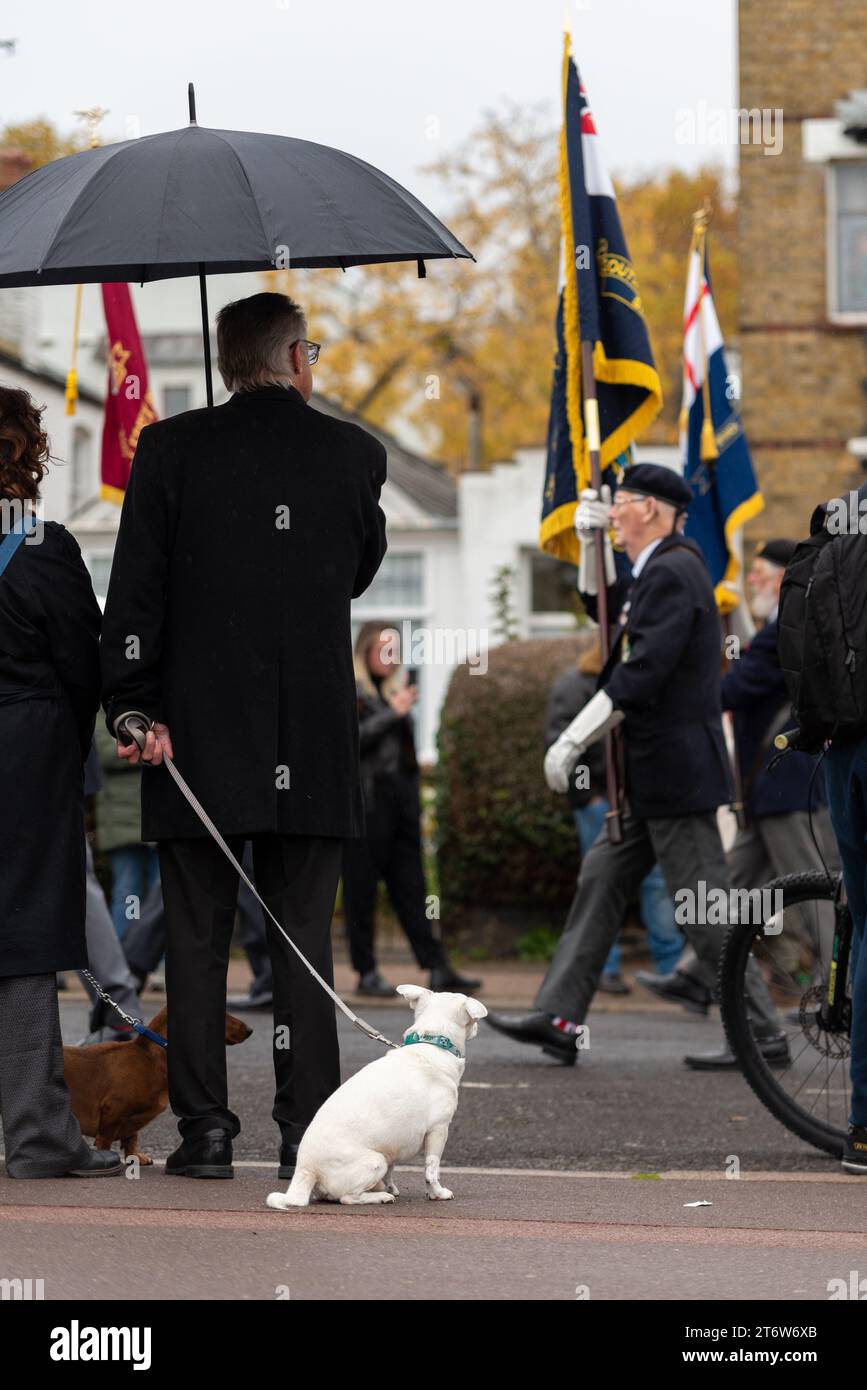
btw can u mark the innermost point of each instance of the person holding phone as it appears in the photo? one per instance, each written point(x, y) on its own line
point(391, 850)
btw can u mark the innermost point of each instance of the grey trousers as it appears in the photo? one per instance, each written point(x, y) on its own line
point(770, 847)
point(689, 852)
point(41, 1134)
point(105, 957)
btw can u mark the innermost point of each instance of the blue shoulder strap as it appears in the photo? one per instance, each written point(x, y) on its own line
point(11, 542)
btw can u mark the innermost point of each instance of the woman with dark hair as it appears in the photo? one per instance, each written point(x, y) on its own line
point(49, 691)
point(391, 851)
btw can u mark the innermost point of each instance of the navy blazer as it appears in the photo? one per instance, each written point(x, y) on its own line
point(664, 673)
point(755, 691)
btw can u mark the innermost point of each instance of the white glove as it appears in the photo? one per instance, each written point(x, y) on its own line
point(591, 724)
point(591, 518)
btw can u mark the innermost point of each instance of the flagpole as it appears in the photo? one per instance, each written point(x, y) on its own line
point(614, 816)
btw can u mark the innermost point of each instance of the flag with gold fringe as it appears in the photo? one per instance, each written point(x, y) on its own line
point(716, 459)
point(599, 301)
point(129, 405)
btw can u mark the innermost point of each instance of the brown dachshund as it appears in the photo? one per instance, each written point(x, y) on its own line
point(119, 1087)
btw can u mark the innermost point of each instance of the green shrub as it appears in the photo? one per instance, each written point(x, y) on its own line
point(507, 851)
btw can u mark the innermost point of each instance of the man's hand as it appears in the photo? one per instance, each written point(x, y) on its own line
point(158, 742)
point(559, 762)
point(404, 699)
point(591, 521)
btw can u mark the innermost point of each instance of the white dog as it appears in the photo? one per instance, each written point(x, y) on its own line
point(388, 1111)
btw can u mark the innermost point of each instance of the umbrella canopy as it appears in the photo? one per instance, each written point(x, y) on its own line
point(171, 204)
point(197, 201)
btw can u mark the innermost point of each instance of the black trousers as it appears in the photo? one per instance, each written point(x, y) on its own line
point(297, 877)
point(390, 853)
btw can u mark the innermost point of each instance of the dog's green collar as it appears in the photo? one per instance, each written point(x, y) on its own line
point(437, 1039)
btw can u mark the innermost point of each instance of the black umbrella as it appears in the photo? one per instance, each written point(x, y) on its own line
point(197, 201)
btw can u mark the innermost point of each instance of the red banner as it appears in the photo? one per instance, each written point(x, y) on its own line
point(128, 405)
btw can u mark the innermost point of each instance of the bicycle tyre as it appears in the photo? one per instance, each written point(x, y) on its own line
point(796, 888)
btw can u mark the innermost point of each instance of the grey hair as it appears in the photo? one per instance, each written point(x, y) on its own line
point(253, 337)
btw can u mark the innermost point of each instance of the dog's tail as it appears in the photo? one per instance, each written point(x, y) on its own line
point(298, 1194)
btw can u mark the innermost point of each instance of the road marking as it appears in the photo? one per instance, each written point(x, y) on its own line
point(613, 1175)
point(608, 1175)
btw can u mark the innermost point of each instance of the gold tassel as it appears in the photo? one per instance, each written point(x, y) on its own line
point(71, 390)
point(708, 440)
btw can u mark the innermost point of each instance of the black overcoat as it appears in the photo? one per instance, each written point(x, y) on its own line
point(245, 532)
point(49, 695)
point(664, 673)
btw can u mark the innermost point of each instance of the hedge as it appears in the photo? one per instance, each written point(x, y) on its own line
point(507, 851)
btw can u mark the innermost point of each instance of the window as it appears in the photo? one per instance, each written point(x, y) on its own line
point(398, 585)
point(99, 564)
point(80, 466)
point(555, 605)
point(175, 400)
point(847, 281)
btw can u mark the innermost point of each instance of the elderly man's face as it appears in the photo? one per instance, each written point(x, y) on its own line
point(764, 579)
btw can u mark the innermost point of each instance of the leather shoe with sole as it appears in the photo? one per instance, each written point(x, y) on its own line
point(208, 1156)
point(774, 1050)
point(537, 1029)
point(99, 1163)
point(677, 988)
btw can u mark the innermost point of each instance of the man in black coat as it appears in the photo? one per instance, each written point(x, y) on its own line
point(662, 683)
point(776, 838)
point(246, 531)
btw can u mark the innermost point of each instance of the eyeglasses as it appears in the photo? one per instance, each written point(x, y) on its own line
point(313, 349)
point(625, 501)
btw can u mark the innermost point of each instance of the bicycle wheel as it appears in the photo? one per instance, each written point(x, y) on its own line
point(809, 1093)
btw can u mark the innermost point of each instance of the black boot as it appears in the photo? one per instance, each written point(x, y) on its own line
point(373, 984)
point(443, 977)
point(209, 1156)
point(855, 1151)
point(98, 1163)
point(537, 1028)
point(290, 1138)
point(774, 1050)
point(677, 988)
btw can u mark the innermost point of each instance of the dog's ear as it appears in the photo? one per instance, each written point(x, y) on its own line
point(415, 995)
point(474, 1010)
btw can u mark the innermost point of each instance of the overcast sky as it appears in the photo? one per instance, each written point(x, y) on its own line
point(367, 75)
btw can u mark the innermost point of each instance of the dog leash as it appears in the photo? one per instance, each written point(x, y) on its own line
point(136, 1023)
point(136, 726)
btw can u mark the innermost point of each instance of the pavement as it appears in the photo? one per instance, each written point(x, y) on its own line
point(568, 1184)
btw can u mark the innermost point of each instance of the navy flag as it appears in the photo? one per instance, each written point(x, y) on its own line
point(599, 301)
point(716, 459)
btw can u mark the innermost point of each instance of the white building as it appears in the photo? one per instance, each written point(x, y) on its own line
point(447, 539)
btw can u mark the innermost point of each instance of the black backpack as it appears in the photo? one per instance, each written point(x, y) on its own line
point(823, 631)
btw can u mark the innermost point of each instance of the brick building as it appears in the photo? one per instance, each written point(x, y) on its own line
point(802, 255)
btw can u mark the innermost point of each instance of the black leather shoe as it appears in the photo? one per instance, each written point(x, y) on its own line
point(855, 1151)
point(373, 984)
point(247, 1003)
point(288, 1159)
point(99, 1163)
point(209, 1156)
point(613, 983)
point(677, 988)
point(442, 977)
point(774, 1050)
point(537, 1028)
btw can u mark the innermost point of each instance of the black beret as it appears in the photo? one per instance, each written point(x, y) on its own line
point(779, 552)
point(656, 480)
